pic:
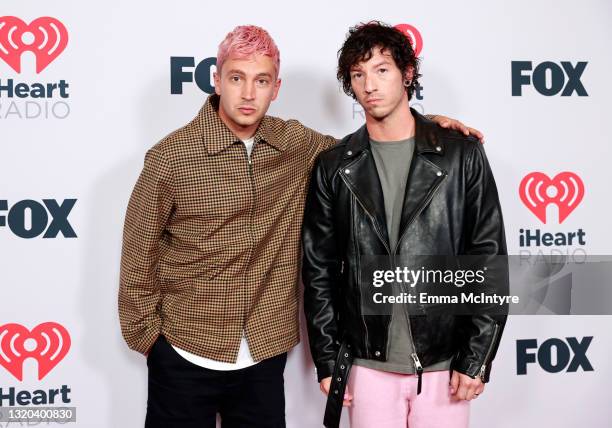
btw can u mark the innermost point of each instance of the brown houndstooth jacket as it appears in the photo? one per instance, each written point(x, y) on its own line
point(211, 243)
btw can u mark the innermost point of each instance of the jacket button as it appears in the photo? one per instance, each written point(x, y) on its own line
point(342, 367)
point(347, 171)
point(377, 353)
point(438, 148)
point(439, 173)
point(336, 391)
point(346, 355)
point(349, 153)
point(339, 379)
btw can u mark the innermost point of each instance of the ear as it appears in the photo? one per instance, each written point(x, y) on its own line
point(217, 80)
point(277, 86)
point(409, 74)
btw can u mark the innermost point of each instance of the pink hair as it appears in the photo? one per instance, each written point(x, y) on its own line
point(245, 41)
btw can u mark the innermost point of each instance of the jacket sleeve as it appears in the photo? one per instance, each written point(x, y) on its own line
point(148, 211)
point(320, 271)
point(317, 143)
point(484, 237)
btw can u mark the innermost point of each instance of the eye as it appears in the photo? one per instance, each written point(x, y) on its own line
point(382, 70)
point(356, 75)
point(235, 78)
point(262, 82)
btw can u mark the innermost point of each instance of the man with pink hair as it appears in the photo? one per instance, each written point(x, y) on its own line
point(211, 249)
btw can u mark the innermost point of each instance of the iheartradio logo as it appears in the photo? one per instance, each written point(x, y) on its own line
point(414, 35)
point(46, 37)
point(48, 343)
point(565, 190)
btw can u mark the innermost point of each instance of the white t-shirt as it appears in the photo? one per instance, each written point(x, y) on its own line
point(249, 145)
point(245, 359)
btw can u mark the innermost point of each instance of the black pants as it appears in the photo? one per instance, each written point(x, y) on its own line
point(185, 395)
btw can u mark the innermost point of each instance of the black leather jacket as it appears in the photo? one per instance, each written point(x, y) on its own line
point(451, 207)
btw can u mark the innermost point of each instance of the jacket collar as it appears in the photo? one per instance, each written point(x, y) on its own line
point(426, 138)
point(217, 136)
point(360, 174)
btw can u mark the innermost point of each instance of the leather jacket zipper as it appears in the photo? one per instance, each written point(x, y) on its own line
point(483, 368)
point(419, 368)
point(415, 357)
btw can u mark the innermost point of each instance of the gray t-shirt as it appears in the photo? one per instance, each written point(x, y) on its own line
point(392, 161)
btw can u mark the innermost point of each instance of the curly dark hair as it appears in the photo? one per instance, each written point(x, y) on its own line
point(364, 37)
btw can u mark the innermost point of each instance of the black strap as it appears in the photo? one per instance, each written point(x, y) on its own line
point(333, 409)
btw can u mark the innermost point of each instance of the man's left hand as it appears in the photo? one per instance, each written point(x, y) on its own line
point(447, 122)
point(463, 387)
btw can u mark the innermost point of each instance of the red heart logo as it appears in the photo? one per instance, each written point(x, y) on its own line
point(414, 35)
point(537, 190)
point(52, 345)
point(46, 37)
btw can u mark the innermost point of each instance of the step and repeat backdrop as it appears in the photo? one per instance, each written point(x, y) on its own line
point(87, 87)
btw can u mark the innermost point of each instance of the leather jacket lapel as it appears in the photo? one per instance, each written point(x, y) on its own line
point(424, 177)
point(359, 173)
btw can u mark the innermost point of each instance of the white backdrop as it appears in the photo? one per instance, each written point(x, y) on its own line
point(117, 66)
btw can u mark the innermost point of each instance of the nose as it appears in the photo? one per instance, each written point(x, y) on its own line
point(369, 83)
point(248, 91)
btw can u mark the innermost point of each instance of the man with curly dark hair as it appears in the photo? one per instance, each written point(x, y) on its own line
point(397, 186)
point(360, 46)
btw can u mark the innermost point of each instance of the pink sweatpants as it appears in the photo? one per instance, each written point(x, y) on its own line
point(390, 400)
